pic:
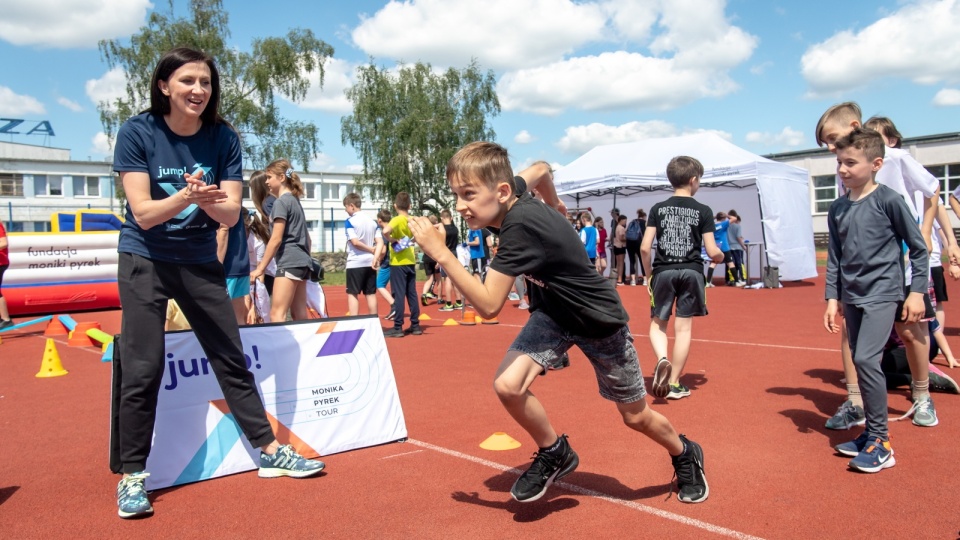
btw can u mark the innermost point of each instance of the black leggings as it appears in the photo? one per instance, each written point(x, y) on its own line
point(3, 268)
point(633, 257)
point(200, 291)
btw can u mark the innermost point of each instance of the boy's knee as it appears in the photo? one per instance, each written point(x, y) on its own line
point(507, 389)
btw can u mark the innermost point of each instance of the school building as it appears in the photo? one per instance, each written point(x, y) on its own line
point(939, 154)
point(37, 181)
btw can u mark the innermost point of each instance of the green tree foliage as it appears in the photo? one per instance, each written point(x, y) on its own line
point(406, 124)
point(249, 81)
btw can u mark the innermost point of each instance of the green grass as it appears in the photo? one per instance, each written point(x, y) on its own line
point(340, 278)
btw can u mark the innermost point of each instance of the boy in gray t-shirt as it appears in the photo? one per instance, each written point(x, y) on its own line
point(868, 226)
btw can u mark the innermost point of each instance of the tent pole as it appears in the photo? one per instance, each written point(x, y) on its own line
point(763, 235)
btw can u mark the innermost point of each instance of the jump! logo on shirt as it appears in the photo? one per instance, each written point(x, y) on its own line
point(171, 188)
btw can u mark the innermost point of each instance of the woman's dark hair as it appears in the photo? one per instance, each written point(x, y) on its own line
point(171, 61)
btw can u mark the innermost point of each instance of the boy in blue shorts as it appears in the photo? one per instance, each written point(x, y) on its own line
point(570, 304)
point(381, 262)
point(681, 225)
point(868, 226)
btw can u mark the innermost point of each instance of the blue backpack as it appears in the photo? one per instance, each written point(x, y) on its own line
point(634, 232)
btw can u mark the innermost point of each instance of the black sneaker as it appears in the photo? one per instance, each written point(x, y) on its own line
point(5, 323)
point(416, 331)
point(393, 332)
point(458, 304)
point(546, 469)
point(688, 470)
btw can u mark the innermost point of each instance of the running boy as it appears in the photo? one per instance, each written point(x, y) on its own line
point(681, 226)
point(571, 304)
point(867, 227)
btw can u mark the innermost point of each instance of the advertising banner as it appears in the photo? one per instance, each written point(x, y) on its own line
point(327, 385)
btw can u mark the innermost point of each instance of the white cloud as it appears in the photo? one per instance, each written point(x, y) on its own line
point(109, 88)
point(102, 144)
point(355, 168)
point(338, 75)
point(452, 32)
point(16, 104)
point(760, 68)
point(917, 42)
point(523, 137)
point(70, 23)
point(948, 97)
point(326, 163)
point(580, 139)
point(689, 60)
point(72, 105)
point(787, 137)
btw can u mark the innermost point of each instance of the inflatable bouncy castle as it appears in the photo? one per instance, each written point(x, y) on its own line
point(59, 272)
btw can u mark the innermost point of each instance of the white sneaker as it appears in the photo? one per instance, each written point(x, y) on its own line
point(644, 282)
point(740, 283)
point(524, 305)
point(709, 284)
point(513, 296)
point(633, 282)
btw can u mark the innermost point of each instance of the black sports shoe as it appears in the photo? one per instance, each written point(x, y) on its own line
point(416, 331)
point(393, 332)
point(688, 470)
point(546, 468)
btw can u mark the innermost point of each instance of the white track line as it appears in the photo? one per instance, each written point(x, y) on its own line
point(596, 494)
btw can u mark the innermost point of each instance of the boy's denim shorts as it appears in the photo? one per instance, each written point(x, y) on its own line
point(613, 357)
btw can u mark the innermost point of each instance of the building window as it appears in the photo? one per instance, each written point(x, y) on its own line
point(48, 185)
point(15, 226)
point(310, 191)
point(41, 226)
point(11, 185)
point(86, 186)
point(949, 177)
point(824, 192)
point(246, 191)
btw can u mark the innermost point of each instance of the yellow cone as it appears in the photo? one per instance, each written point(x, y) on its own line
point(424, 317)
point(51, 366)
point(500, 441)
point(450, 322)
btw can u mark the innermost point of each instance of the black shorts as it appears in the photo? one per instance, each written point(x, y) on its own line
point(939, 284)
point(681, 285)
point(429, 266)
point(727, 257)
point(361, 280)
point(619, 251)
point(929, 311)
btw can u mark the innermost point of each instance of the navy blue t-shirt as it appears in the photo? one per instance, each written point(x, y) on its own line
point(146, 144)
point(236, 261)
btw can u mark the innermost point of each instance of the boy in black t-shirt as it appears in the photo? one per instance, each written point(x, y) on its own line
point(452, 236)
point(570, 304)
point(681, 226)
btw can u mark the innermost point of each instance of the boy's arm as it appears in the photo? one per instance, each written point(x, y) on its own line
point(377, 251)
point(539, 178)
point(646, 245)
point(834, 250)
point(906, 228)
point(713, 251)
point(488, 297)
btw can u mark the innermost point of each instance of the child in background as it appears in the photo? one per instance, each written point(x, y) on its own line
point(720, 235)
point(634, 237)
point(601, 243)
point(570, 305)
point(403, 269)
point(257, 238)
point(867, 228)
point(737, 247)
point(680, 225)
point(588, 236)
point(381, 262)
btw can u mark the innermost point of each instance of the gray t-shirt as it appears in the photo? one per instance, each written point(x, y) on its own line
point(293, 251)
point(865, 256)
point(733, 232)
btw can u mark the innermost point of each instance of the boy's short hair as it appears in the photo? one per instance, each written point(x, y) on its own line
point(721, 215)
point(402, 201)
point(445, 214)
point(484, 162)
point(384, 215)
point(845, 112)
point(866, 139)
point(352, 198)
point(683, 168)
point(433, 219)
point(886, 128)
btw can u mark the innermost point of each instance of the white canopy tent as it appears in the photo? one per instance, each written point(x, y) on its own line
point(773, 199)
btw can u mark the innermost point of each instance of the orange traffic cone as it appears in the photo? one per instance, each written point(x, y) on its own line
point(469, 317)
point(79, 337)
point(55, 328)
point(51, 366)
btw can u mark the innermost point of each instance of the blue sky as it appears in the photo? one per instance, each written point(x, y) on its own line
point(570, 75)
